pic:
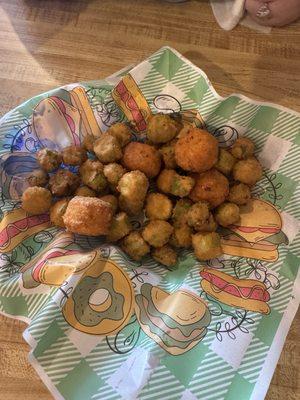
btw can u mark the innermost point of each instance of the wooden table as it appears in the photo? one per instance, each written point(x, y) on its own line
point(44, 44)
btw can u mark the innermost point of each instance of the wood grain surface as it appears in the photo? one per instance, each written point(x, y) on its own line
point(44, 44)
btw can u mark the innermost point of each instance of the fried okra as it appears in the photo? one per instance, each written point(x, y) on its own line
point(36, 200)
point(121, 132)
point(247, 171)
point(172, 183)
point(85, 191)
point(112, 200)
point(242, 148)
point(157, 232)
point(158, 206)
point(206, 245)
point(142, 157)
point(197, 151)
point(63, 183)
point(239, 194)
point(179, 215)
point(135, 246)
point(49, 160)
point(133, 187)
point(167, 152)
point(108, 149)
point(57, 212)
point(165, 255)
point(209, 225)
point(227, 214)
point(113, 173)
point(198, 214)
point(162, 128)
point(225, 162)
point(38, 177)
point(181, 236)
point(120, 227)
point(74, 155)
point(92, 175)
point(211, 186)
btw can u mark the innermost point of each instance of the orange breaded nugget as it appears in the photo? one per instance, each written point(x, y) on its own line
point(211, 186)
point(88, 216)
point(142, 157)
point(197, 151)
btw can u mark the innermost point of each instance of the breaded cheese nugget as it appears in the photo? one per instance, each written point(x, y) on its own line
point(88, 216)
point(121, 132)
point(142, 157)
point(158, 206)
point(211, 186)
point(162, 128)
point(36, 200)
point(133, 188)
point(197, 151)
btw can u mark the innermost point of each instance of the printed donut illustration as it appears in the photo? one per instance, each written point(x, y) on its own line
point(102, 301)
point(176, 322)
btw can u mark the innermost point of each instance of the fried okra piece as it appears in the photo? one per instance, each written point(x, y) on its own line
point(172, 183)
point(92, 175)
point(209, 226)
point(112, 200)
point(167, 152)
point(135, 246)
point(36, 200)
point(107, 149)
point(247, 171)
point(57, 212)
point(85, 191)
point(198, 214)
point(242, 148)
point(225, 162)
point(121, 132)
point(74, 155)
point(181, 236)
point(227, 214)
point(133, 188)
point(165, 255)
point(120, 227)
point(206, 245)
point(63, 183)
point(158, 206)
point(179, 215)
point(157, 232)
point(113, 173)
point(162, 128)
point(49, 160)
point(142, 157)
point(88, 143)
point(239, 194)
point(38, 177)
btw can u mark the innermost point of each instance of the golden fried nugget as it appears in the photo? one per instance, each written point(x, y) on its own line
point(142, 157)
point(107, 149)
point(227, 214)
point(158, 206)
point(182, 236)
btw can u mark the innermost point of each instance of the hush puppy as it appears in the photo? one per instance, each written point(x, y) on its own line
point(36, 200)
point(197, 151)
point(88, 216)
point(158, 206)
point(142, 157)
point(211, 186)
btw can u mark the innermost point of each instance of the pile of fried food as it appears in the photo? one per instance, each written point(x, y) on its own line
point(179, 177)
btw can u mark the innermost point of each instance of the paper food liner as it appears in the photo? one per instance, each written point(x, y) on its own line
point(102, 326)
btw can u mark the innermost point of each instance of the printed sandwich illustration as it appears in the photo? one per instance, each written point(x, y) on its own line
point(250, 294)
point(258, 233)
point(64, 119)
point(177, 321)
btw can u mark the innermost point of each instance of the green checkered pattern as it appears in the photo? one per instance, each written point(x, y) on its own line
point(230, 362)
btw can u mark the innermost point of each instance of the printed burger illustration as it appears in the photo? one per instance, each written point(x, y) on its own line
point(63, 119)
point(258, 233)
point(176, 321)
point(249, 294)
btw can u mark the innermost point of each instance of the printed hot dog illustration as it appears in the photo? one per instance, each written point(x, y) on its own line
point(258, 233)
point(102, 301)
point(250, 294)
point(176, 322)
point(17, 225)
